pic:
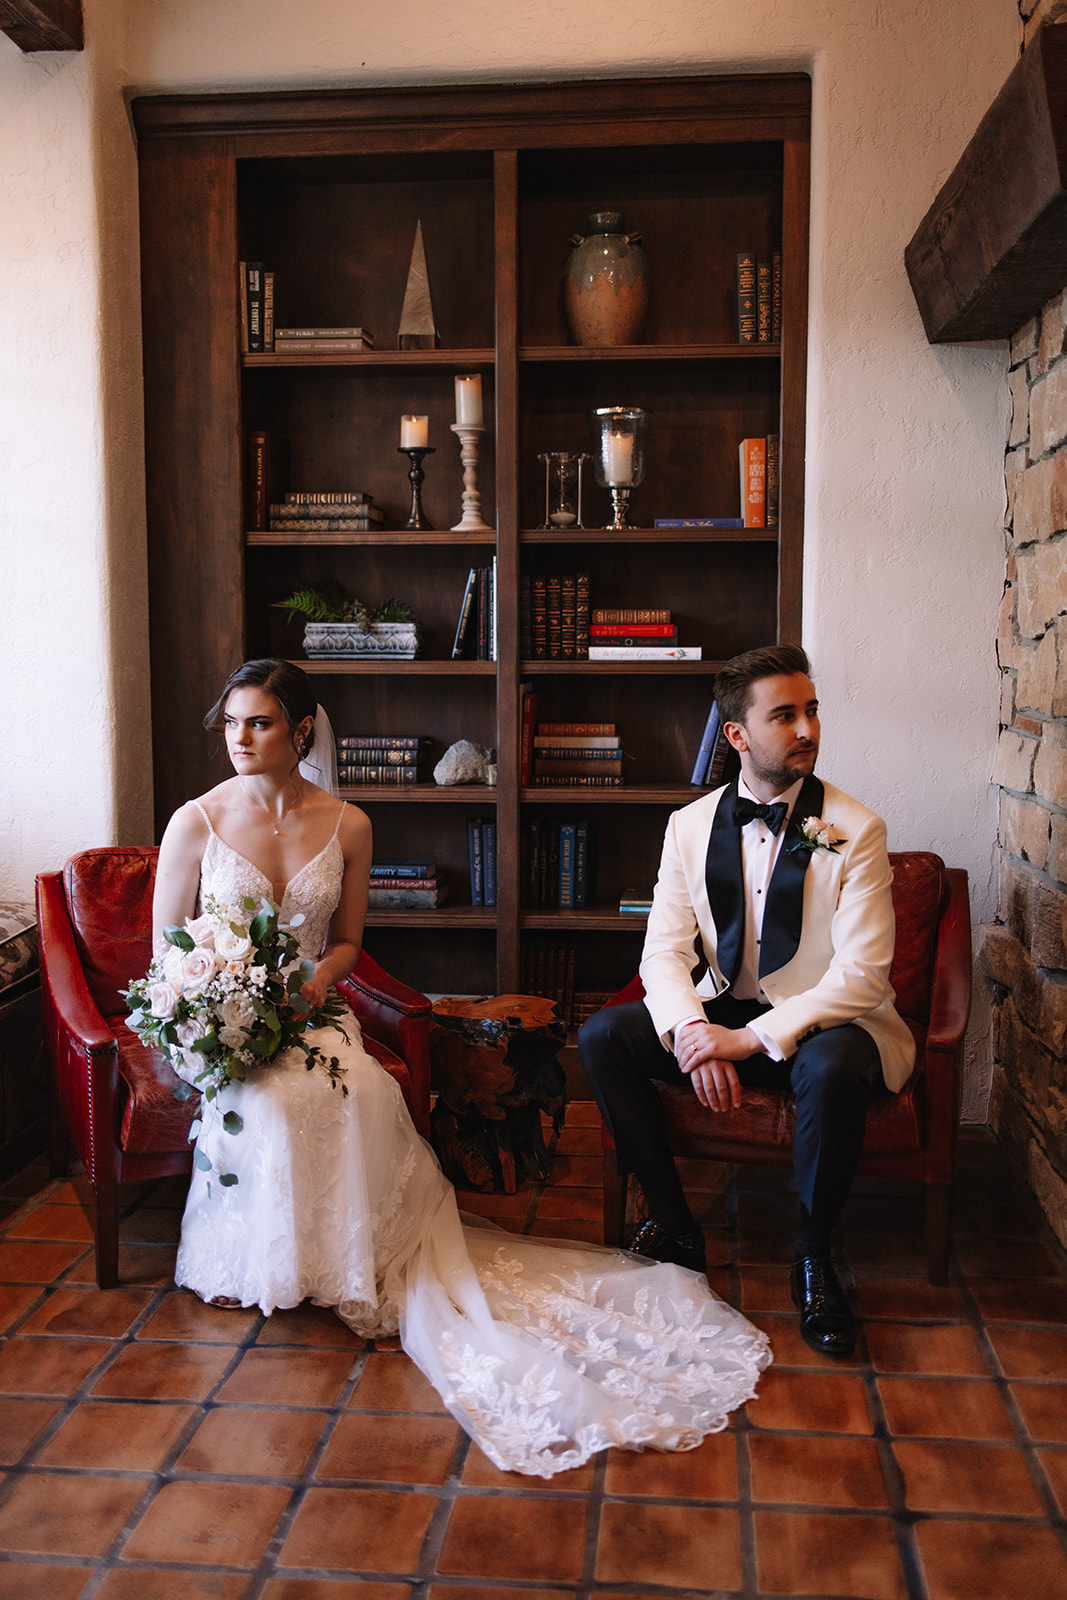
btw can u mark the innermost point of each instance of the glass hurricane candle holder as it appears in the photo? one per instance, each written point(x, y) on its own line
point(619, 454)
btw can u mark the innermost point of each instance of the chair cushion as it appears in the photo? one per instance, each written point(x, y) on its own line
point(153, 1122)
point(18, 943)
point(393, 1065)
point(919, 887)
point(109, 895)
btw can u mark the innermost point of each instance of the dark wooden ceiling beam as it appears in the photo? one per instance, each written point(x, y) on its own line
point(43, 24)
point(993, 246)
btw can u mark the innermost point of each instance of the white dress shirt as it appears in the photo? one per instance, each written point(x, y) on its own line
point(759, 852)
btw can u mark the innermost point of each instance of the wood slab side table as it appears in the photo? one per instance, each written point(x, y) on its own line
point(494, 1060)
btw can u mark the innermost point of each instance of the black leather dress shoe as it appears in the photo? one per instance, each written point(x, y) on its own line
point(685, 1250)
point(826, 1321)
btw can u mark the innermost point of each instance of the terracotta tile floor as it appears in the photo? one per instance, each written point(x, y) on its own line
point(153, 1448)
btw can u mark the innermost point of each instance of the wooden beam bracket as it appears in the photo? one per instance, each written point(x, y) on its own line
point(43, 24)
point(992, 249)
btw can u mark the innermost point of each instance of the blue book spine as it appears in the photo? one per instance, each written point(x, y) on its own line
point(583, 864)
point(474, 855)
point(566, 866)
point(489, 863)
point(707, 744)
point(698, 522)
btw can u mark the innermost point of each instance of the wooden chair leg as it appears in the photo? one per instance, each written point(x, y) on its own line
point(937, 1231)
point(615, 1187)
point(107, 1237)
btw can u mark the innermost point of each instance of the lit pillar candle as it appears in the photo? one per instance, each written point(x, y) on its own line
point(469, 400)
point(618, 458)
point(414, 432)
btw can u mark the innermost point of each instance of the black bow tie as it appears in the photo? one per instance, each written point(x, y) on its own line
point(748, 811)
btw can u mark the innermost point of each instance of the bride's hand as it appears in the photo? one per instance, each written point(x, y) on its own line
point(315, 990)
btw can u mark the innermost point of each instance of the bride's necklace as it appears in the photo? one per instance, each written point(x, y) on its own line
point(285, 809)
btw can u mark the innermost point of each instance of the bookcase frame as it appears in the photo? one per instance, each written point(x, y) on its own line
point(325, 187)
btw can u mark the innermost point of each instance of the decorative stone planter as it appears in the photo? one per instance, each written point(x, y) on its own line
point(398, 640)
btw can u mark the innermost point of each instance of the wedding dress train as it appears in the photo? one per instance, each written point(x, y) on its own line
point(546, 1351)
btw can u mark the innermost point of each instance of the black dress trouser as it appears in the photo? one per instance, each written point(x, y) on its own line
point(834, 1076)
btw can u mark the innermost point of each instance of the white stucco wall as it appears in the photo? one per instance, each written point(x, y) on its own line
point(75, 757)
point(905, 442)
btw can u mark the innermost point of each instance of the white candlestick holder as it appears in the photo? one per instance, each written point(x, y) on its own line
point(471, 521)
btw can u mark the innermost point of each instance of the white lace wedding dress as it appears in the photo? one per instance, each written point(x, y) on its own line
point(545, 1351)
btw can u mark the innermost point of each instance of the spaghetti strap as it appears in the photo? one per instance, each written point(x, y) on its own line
point(206, 818)
point(340, 819)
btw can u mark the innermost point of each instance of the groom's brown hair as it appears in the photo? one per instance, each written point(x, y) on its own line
point(733, 685)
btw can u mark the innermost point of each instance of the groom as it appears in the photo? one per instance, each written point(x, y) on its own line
point(796, 927)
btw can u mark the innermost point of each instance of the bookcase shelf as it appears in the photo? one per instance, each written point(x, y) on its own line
point(327, 188)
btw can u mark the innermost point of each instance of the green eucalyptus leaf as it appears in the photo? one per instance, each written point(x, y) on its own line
point(182, 1091)
point(202, 1161)
point(179, 936)
point(233, 1122)
point(227, 1179)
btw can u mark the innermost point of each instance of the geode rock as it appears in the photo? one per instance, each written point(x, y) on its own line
point(463, 762)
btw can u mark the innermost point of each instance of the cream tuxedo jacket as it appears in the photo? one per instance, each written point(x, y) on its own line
point(842, 908)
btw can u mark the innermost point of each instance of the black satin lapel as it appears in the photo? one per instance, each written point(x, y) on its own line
point(784, 916)
point(726, 887)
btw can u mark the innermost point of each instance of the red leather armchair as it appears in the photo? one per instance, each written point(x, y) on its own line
point(909, 1135)
point(111, 1096)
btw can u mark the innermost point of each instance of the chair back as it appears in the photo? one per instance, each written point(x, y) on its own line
point(109, 897)
point(920, 888)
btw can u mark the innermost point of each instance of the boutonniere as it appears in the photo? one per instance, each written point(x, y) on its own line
point(815, 834)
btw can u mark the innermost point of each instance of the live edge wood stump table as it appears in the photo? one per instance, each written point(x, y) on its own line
point(495, 1064)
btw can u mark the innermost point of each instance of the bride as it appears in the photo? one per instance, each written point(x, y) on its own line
point(545, 1351)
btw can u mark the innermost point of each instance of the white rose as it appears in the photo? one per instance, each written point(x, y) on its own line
point(198, 968)
point(162, 1000)
point(232, 946)
point(189, 1031)
point(172, 965)
point(237, 1011)
point(201, 930)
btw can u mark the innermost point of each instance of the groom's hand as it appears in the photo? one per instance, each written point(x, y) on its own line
point(706, 1051)
point(715, 1085)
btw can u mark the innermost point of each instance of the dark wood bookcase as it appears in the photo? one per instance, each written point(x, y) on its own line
point(326, 188)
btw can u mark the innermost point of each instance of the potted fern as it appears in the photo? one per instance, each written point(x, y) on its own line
point(338, 624)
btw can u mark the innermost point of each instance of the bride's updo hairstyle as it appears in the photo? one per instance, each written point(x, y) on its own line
point(291, 687)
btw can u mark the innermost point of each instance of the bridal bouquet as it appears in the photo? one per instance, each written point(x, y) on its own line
point(226, 997)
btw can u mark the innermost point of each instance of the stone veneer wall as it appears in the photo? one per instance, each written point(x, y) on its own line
point(1024, 951)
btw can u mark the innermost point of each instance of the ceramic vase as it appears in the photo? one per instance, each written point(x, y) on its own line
point(606, 286)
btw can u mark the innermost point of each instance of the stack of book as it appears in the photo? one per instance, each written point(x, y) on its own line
point(716, 759)
point(475, 638)
point(554, 616)
point(404, 886)
point(374, 758)
point(635, 905)
point(637, 634)
point(546, 968)
point(324, 511)
point(759, 299)
point(256, 299)
point(758, 464)
point(583, 754)
point(558, 863)
point(321, 341)
point(481, 856)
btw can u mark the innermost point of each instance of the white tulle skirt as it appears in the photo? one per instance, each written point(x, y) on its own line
point(546, 1351)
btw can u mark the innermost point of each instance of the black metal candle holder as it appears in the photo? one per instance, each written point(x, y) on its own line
point(415, 453)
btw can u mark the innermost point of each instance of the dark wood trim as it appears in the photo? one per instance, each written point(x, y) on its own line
point(991, 249)
point(43, 24)
point(499, 116)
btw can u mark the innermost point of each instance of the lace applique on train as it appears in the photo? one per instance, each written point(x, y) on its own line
point(545, 1351)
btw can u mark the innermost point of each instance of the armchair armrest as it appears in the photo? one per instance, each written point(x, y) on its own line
point(950, 1003)
point(398, 1016)
point(81, 1044)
